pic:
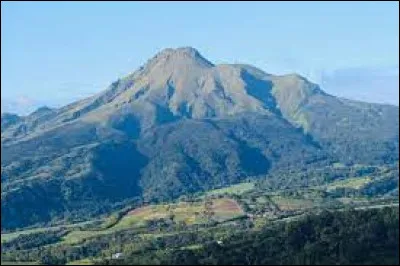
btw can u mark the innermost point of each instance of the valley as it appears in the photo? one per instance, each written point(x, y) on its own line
point(247, 206)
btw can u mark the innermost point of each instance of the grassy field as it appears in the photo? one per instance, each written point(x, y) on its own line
point(288, 203)
point(237, 189)
point(10, 236)
point(19, 263)
point(192, 247)
point(338, 165)
point(81, 262)
point(226, 209)
point(355, 183)
point(77, 236)
point(190, 213)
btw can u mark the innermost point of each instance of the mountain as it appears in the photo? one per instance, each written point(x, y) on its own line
point(179, 124)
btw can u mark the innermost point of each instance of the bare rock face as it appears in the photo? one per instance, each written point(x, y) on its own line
point(176, 125)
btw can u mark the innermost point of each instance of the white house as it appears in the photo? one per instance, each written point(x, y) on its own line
point(117, 255)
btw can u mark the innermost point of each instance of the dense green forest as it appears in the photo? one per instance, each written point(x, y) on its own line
point(325, 215)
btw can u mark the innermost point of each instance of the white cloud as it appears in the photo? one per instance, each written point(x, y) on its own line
point(64, 94)
point(21, 105)
point(379, 85)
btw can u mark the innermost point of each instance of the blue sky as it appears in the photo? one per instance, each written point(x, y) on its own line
point(56, 52)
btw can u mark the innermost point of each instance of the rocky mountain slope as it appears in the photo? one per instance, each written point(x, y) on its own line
point(179, 124)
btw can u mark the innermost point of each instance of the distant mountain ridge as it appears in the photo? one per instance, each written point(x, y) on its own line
point(180, 124)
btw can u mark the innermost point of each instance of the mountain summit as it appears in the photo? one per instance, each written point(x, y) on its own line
point(180, 124)
point(179, 55)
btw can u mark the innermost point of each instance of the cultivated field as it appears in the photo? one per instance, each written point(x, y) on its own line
point(188, 213)
point(355, 183)
point(290, 204)
point(237, 189)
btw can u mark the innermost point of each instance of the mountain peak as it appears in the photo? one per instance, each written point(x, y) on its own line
point(180, 54)
point(181, 50)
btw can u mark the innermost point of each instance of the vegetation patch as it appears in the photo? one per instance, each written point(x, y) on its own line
point(225, 209)
point(81, 262)
point(237, 189)
point(10, 236)
point(19, 263)
point(291, 204)
point(354, 183)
